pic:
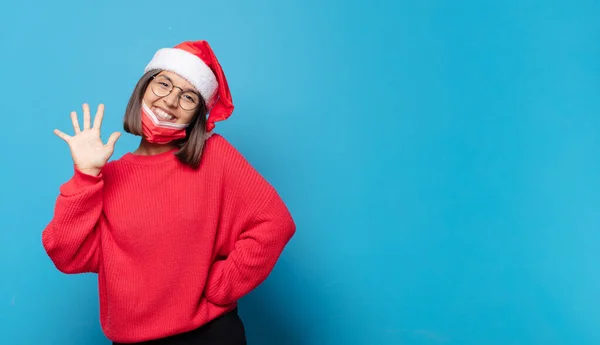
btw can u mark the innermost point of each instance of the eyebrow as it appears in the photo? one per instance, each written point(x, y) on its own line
point(184, 90)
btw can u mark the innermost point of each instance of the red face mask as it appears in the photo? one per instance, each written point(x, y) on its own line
point(160, 132)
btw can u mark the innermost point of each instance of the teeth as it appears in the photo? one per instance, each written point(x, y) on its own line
point(162, 114)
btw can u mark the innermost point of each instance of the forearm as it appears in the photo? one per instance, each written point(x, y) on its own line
point(254, 257)
point(71, 239)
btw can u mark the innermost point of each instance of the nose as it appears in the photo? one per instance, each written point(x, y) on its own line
point(172, 99)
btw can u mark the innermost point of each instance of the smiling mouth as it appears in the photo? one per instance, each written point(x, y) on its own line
point(163, 115)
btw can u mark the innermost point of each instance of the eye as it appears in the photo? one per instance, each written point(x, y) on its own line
point(190, 98)
point(163, 82)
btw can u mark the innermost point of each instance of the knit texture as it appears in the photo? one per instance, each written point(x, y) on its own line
point(173, 247)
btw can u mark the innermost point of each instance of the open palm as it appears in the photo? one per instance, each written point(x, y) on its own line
point(87, 149)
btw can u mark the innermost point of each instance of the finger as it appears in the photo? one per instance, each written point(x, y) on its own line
point(113, 139)
point(75, 122)
point(62, 135)
point(99, 116)
point(86, 116)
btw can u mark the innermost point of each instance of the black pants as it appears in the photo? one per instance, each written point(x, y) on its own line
point(227, 329)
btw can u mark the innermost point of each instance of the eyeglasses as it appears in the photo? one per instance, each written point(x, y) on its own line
point(163, 86)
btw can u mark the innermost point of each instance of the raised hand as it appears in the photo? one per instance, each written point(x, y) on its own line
point(88, 152)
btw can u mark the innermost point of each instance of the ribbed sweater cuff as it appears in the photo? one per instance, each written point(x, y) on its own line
point(214, 289)
point(78, 182)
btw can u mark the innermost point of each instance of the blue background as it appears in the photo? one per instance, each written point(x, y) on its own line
point(440, 159)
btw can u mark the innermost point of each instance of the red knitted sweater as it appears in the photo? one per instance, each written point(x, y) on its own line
point(173, 247)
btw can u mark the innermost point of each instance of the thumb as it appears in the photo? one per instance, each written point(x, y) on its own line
point(113, 139)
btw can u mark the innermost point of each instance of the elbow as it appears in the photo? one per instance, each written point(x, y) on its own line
point(67, 266)
point(289, 228)
point(60, 263)
point(290, 231)
point(64, 267)
point(54, 253)
point(60, 260)
point(283, 231)
point(63, 259)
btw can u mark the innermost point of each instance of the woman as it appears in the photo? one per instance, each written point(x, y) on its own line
point(178, 230)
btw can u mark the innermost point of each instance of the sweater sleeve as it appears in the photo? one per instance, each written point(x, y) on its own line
point(258, 244)
point(71, 239)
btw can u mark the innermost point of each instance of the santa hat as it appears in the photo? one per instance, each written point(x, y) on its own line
point(196, 62)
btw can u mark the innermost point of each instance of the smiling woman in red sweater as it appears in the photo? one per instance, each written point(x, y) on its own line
point(179, 229)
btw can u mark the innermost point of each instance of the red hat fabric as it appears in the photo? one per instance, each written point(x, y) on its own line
point(196, 62)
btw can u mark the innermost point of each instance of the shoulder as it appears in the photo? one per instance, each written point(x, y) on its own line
point(218, 148)
point(242, 184)
point(116, 164)
point(217, 142)
point(111, 168)
point(232, 162)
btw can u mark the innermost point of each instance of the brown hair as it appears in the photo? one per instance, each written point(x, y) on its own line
point(190, 148)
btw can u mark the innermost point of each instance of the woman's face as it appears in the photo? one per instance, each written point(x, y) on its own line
point(172, 98)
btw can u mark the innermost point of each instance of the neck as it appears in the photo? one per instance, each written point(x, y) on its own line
point(148, 149)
